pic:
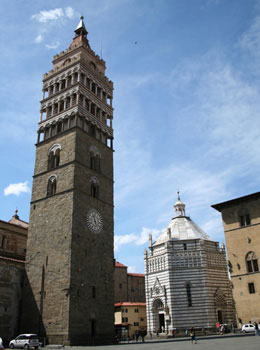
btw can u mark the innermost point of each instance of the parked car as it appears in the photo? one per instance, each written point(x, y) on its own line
point(249, 327)
point(25, 341)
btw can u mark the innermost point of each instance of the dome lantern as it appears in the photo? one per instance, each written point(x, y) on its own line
point(179, 206)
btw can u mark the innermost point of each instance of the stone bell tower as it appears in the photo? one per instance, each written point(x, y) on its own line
point(69, 296)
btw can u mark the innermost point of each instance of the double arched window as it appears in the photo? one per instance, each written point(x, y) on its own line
point(51, 186)
point(54, 156)
point(251, 262)
point(94, 187)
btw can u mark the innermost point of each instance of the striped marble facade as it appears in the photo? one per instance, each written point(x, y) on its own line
point(187, 281)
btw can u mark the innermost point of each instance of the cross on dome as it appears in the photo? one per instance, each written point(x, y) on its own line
point(179, 206)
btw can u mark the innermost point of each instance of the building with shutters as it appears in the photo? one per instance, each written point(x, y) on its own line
point(241, 222)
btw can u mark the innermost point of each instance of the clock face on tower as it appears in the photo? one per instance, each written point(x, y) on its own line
point(94, 220)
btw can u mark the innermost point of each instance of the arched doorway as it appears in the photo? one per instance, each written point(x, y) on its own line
point(158, 316)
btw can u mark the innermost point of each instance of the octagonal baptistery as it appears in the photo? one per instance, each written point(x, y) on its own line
point(187, 280)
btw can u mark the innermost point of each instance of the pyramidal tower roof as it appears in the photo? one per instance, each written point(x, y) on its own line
point(81, 29)
point(181, 227)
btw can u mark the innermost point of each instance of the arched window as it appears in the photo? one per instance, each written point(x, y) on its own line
point(94, 188)
point(54, 156)
point(252, 262)
point(188, 291)
point(51, 186)
point(92, 64)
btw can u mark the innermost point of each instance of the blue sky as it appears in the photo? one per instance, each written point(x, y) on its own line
point(186, 100)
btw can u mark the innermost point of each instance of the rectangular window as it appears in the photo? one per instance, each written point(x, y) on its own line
point(247, 219)
point(251, 288)
point(242, 220)
point(136, 310)
point(141, 319)
point(3, 242)
point(136, 324)
point(125, 319)
point(185, 246)
point(125, 310)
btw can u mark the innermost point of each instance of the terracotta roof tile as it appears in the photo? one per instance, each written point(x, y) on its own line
point(118, 264)
point(136, 274)
point(129, 303)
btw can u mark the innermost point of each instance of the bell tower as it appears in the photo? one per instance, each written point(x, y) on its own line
point(69, 295)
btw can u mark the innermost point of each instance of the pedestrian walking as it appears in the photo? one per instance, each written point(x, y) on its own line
point(151, 335)
point(240, 323)
point(256, 328)
point(193, 335)
point(142, 333)
point(136, 336)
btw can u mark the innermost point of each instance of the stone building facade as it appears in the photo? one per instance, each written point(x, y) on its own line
point(130, 306)
point(187, 280)
point(130, 318)
point(241, 222)
point(128, 286)
point(13, 237)
point(69, 262)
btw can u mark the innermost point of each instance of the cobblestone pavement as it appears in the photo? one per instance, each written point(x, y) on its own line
point(242, 342)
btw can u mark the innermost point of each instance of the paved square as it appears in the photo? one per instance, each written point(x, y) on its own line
point(226, 343)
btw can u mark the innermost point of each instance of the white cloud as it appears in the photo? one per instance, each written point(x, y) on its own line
point(51, 15)
point(49, 18)
point(69, 12)
point(45, 16)
point(251, 38)
point(123, 239)
point(137, 239)
point(38, 39)
point(17, 189)
point(131, 269)
point(215, 132)
point(53, 46)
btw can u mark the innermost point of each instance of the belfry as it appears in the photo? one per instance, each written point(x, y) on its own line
point(69, 297)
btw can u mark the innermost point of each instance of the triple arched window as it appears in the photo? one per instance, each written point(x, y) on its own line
point(51, 186)
point(252, 262)
point(54, 156)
